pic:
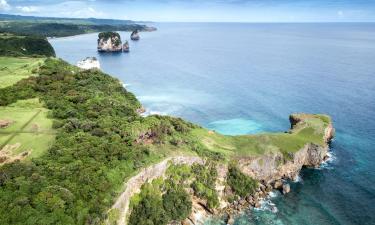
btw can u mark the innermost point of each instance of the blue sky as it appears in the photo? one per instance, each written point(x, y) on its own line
point(200, 10)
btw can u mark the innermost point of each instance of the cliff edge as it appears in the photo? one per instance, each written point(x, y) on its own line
point(247, 168)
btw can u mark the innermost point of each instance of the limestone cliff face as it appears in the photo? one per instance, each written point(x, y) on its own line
point(272, 167)
point(109, 42)
point(89, 63)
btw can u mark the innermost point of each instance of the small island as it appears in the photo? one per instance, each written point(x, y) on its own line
point(135, 35)
point(111, 42)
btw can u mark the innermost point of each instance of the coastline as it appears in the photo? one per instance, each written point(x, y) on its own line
point(278, 179)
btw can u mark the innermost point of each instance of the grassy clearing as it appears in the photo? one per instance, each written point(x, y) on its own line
point(310, 130)
point(34, 143)
point(13, 70)
point(30, 128)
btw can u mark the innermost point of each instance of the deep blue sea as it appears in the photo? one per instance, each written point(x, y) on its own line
point(241, 78)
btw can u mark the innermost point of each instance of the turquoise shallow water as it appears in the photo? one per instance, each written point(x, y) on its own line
point(247, 78)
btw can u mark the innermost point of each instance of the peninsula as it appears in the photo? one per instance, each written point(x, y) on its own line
point(75, 150)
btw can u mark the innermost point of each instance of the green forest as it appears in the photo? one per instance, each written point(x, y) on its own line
point(97, 146)
point(63, 27)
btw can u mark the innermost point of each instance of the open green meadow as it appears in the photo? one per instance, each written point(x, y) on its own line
point(13, 69)
point(29, 131)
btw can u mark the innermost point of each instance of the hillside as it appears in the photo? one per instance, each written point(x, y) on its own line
point(62, 27)
point(71, 138)
point(20, 46)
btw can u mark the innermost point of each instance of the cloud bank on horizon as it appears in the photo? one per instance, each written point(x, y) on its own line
point(200, 10)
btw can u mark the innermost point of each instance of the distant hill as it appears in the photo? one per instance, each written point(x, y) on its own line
point(62, 27)
point(12, 45)
point(91, 21)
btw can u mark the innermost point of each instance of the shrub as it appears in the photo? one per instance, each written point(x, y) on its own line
point(177, 204)
point(241, 184)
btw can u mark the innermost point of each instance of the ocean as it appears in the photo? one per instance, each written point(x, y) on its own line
point(241, 78)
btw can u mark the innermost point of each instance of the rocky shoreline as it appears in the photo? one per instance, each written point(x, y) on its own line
point(272, 170)
point(271, 176)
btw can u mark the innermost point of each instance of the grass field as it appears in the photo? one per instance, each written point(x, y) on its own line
point(13, 70)
point(30, 129)
point(311, 130)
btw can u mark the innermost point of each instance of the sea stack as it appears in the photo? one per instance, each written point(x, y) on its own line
point(125, 47)
point(109, 42)
point(135, 35)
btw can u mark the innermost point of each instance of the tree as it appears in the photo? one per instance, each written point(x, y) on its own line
point(177, 204)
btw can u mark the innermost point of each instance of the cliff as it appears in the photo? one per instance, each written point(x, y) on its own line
point(89, 63)
point(272, 169)
point(270, 166)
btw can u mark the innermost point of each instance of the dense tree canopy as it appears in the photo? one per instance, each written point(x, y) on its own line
point(11, 45)
point(100, 141)
point(241, 184)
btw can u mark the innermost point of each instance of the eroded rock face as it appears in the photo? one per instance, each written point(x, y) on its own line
point(134, 184)
point(89, 63)
point(109, 42)
point(274, 167)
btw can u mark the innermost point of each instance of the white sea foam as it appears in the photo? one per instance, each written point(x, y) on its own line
point(273, 194)
point(298, 179)
point(266, 204)
point(328, 163)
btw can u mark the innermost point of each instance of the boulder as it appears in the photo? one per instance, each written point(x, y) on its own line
point(278, 184)
point(286, 188)
point(268, 188)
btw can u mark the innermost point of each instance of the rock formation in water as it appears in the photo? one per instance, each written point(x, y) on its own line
point(135, 35)
point(109, 42)
point(89, 63)
point(125, 47)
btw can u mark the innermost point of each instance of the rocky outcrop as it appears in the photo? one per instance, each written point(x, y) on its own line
point(135, 35)
point(109, 42)
point(286, 188)
point(125, 47)
point(274, 166)
point(272, 170)
point(89, 63)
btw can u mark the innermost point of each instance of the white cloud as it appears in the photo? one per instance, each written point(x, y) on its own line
point(84, 13)
point(340, 13)
point(4, 6)
point(28, 9)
